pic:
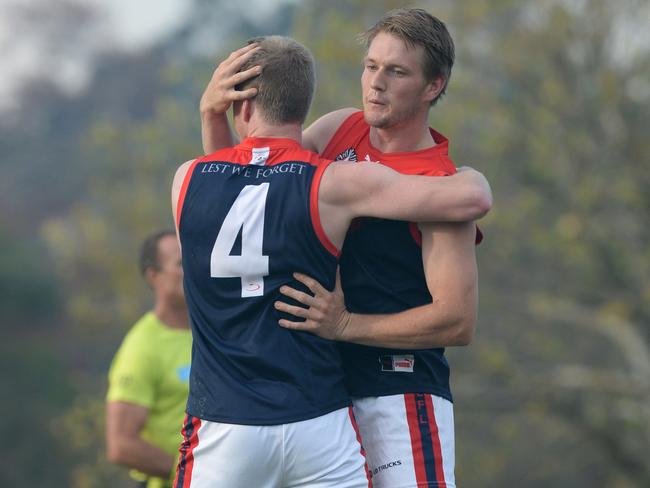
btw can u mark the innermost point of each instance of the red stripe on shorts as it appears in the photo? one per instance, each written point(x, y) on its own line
point(361, 449)
point(416, 439)
point(435, 440)
point(181, 450)
point(186, 461)
point(194, 441)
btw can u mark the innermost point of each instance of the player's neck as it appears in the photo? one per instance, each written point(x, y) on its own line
point(407, 136)
point(174, 317)
point(285, 131)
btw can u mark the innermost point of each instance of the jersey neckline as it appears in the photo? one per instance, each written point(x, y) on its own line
point(441, 148)
point(275, 142)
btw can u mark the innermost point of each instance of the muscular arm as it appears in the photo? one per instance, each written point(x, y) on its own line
point(350, 190)
point(220, 94)
point(450, 269)
point(215, 131)
point(461, 197)
point(124, 445)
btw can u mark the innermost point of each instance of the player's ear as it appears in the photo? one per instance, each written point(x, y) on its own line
point(247, 109)
point(433, 88)
point(150, 276)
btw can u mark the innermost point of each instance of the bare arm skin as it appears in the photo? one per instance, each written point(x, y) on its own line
point(219, 95)
point(447, 249)
point(124, 422)
point(350, 190)
point(179, 177)
point(450, 269)
point(318, 134)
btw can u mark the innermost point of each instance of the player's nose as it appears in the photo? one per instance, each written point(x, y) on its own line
point(377, 80)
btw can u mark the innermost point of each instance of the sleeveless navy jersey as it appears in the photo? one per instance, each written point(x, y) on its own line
point(248, 219)
point(382, 272)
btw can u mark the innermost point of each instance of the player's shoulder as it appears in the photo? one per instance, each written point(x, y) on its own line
point(320, 132)
point(335, 117)
point(223, 154)
point(345, 116)
point(182, 170)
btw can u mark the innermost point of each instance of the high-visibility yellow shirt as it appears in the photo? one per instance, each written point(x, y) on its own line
point(152, 369)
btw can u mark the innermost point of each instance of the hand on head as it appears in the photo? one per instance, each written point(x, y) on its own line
point(220, 92)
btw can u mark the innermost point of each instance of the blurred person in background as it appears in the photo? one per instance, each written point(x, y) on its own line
point(149, 375)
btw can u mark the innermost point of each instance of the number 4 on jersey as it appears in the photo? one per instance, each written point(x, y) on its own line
point(247, 214)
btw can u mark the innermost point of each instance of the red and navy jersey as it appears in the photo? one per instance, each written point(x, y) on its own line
point(247, 219)
point(382, 272)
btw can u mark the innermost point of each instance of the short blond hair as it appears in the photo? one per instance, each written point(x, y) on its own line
point(286, 85)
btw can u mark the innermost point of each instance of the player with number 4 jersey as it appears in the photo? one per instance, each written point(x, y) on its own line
point(267, 405)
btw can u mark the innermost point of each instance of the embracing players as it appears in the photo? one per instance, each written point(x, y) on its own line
point(423, 275)
point(268, 405)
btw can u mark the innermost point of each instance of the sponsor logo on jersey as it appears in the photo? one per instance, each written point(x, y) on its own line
point(397, 364)
point(349, 154)
point(382, 467)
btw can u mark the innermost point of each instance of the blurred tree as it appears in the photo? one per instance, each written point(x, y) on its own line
point(28, 287)
point(37, 389)
point(548, 98)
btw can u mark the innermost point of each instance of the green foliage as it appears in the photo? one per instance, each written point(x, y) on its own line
point(36, 390)
point(130, 168)
point(28, 287)
point(549, 99)
point(81, 430)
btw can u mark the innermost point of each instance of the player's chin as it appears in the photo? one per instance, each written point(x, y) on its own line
point(375, 119)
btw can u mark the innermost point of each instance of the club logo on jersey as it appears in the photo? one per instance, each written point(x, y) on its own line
point(349, 154)
point(253, 286)
point(259, 156)
point(397, 364)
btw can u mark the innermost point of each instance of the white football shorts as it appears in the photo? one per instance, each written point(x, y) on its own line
point(408, 439)
point(324, 452)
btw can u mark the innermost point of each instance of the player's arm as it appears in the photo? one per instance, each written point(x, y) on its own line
point(449, 320)
point(177, 184)
point(387, 194)
point(320, 132)
point(219, 95)
point(448, 255)
point(124, 444)
point(350, 190)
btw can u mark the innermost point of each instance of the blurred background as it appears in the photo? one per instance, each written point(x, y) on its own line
point(549, 98)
